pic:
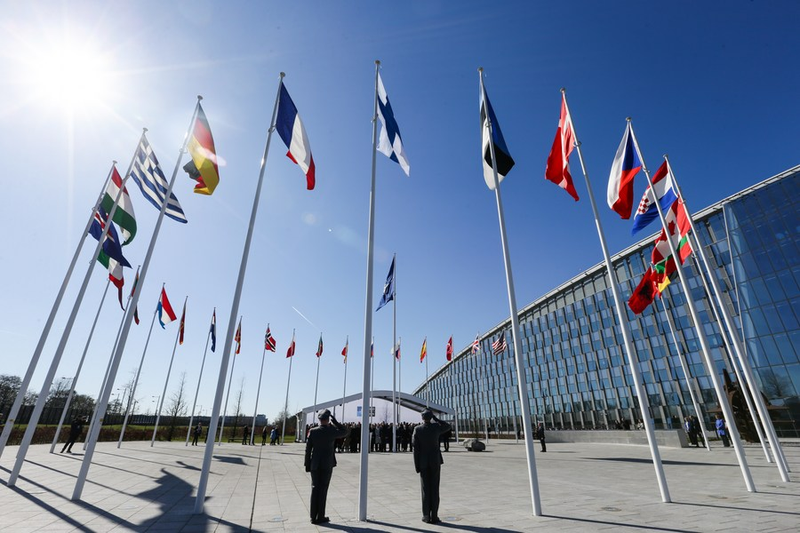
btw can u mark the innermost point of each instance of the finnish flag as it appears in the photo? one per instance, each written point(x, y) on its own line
point(390, 143)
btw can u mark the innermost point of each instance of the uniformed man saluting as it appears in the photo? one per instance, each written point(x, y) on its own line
point(320, 461)
point(428, 463)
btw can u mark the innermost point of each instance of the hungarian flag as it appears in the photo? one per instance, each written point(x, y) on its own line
point(183, 322)
point(424, 350)
point(133, 289)
point(164, 310)
point(290, 351)
point(213, 330)
point(319, 348)
point(291, 130)
point(557, 169)
point(344, 350)
point(450, 349)
point(124, 215)
point(644, 294)
point(624, 168)
point(269, 341)
point(238, 338)
point(203, 167)
point(504, 160)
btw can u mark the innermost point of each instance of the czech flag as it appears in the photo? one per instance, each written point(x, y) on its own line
point(291, 130)
point(626, 165)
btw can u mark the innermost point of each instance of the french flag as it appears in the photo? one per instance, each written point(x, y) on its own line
point(626, 165)
point(291, 130)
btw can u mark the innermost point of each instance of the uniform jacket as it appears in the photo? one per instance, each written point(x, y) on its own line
point(319, 446)
point(426, 444)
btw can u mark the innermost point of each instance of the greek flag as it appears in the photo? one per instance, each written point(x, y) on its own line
point(148, 176)
point(390, 143)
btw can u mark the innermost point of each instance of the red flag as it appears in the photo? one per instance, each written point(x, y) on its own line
point(644, 293)
point(557, 169)
point(290, 351)
point(238, 338)
point(450, 349)
point(344, 350)
point(180, 328)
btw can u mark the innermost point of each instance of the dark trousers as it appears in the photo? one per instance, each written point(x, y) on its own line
point(544, 446)
point(320, 480)
point(194, 440)
point(429, 483)
point(70, 442)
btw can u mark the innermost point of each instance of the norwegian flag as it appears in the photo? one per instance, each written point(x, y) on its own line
point(269, 341)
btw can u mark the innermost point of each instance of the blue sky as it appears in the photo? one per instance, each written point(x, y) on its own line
point(711, 84)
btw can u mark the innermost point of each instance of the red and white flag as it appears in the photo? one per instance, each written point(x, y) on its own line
point(344, 350)
point(290, 351)
point(557, 169)
point(450, 349)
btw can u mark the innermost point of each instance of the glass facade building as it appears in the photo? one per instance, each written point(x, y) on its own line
point(575, 365)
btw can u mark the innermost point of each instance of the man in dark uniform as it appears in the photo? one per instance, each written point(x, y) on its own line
point(75, 431)
point(320, 460)
point(539, 435)
point(428, 463)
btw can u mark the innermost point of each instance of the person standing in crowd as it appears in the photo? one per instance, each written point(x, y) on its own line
point(273, 436)
point(691, 431)
point(264, 433)
point(246, 435)
point(75, 430)
point(722, 431)
point(428, 463)
point(320, 460)
point(540, 436)
point(196, 433)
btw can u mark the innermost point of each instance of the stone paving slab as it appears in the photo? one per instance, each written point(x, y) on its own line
point(583, 486)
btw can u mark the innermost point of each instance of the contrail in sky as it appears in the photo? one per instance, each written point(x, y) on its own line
point(304, 317)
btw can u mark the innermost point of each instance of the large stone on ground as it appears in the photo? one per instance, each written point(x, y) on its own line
point(474, 445)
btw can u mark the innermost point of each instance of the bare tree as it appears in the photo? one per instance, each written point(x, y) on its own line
point(237, 408)
point(775, 385)
point(177, 406)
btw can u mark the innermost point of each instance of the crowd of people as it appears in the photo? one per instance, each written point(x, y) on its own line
point(381, 437)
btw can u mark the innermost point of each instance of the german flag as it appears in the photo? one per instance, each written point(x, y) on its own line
point(203, 166)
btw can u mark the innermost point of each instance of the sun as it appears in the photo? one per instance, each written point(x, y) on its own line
point(71, 73)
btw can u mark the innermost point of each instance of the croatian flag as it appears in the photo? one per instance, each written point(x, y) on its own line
point(164, 309)
point(291, 130)
point(626, 165)
point(390, 143)
point(665, 191)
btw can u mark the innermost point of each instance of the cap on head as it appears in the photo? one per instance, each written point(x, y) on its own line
point(324, 414)
point(427, 414)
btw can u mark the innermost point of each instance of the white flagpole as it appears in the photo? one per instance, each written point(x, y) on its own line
point(316, 386)
point(366, 390)
point(394, 359)
point(485, 395)
point(633, 362)
point(203, 482)
point(685, 368)
point(51, 372)
point(103, 401)
point(286, 402)
point(132, 396)
point(344, 386)
point(26, 380)
point(78, 371)
point(110, 360)
point(427, 403)
point(166, 381)
point(258, 392)
point(199, 378)
point(372, 384)
point(729, 355)
point(512, 303)
point(774, 444)
point(701, 335)
point(227, 396)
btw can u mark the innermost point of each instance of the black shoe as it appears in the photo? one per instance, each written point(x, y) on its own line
point(435, 520)
point(324, 520)
point(426, 519)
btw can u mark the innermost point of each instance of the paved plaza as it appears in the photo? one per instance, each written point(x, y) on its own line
point(584, 487)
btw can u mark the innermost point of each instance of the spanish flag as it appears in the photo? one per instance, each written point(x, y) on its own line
point(203, 166)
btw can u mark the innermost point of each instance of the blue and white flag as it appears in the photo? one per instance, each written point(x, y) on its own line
point(389, 142)
point(504, 160)
point(665, 191)
point(388, 288)
point(148, 176)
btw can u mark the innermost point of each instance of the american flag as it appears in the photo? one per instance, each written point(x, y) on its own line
point(499, 346)
point(269, 341)
point(476, 345)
